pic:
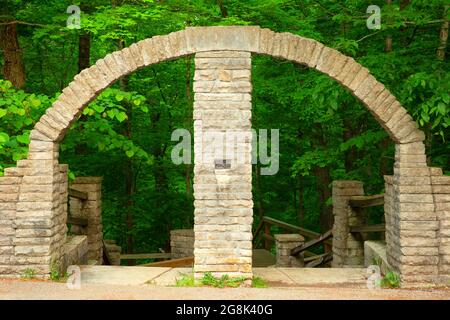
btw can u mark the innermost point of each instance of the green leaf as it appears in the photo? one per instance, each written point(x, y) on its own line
point(3, 113)
point(442, 108)
point(23, 139)
point(3, 137)
point(129, 153)
point(35, 103)
point(119, 97)
point(121, 116)
point(98, 108)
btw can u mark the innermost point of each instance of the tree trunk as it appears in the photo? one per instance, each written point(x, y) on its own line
point(84, 51)
point(300, 206)
point(323, 182)
point(443, 36)
point(259, 191)
point(223, 9)
point(388, 44)
point(13, 68)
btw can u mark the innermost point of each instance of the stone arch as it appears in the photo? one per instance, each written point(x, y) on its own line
point(90, 82)
point(37, 203)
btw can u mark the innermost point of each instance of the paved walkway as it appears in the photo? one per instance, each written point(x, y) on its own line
point(117, 282)
point(276, 277)
point(16, 289)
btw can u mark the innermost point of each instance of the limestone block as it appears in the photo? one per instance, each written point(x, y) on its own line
point(122, 65)
point(327, 59)
point(339, 64)
point(129, 60)
point(382, 103)
point(224, 87)
point(373, 94)
point(348, 72)
point(234, 38)
point(103, 69)
point(135, 53)
point(116, 69)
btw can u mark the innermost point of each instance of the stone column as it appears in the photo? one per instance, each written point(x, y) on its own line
point(90, 209)
point(9, 192)
point(347, 249)
point(441, 193)
point(413, 244)
point(182, 243)
point(223, 169)
point(41, 214)
point(284, 243)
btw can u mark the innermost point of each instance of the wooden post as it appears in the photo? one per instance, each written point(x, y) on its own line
point(267, 243)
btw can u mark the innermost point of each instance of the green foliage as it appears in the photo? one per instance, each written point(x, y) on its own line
point(391, 280)
point(28, 273)
point(258, 282)
point(224, 281)
point(19, 111)
point(186, 280)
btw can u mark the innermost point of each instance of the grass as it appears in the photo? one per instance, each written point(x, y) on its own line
point(222, 282)
point(391, 280)
point(225, 281)
point(186, 280)
point(57, 276)
point(258, 282)
point(28, 273)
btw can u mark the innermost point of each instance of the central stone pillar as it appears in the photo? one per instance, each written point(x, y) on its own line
point(223, 164)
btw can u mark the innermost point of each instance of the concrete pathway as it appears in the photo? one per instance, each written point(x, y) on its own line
point(21, 289)
point(119, 275)
point(276, 277)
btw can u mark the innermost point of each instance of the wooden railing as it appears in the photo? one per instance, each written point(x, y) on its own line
point(136, 256)
point(312, 243)
point(81, 196)
point(360, 202)
point(78, 194)
point(267, 222)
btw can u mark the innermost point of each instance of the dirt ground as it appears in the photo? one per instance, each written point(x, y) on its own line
point(23, 289)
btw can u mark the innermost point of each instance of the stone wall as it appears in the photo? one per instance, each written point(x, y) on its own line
point(348, 251)
point(441, 193)
point(75, 251)
point(33, 203)
point(90, 209)
point(114, 252)
point(412, 224)
point(223, 169)
point(182, 243)
point(284, 243)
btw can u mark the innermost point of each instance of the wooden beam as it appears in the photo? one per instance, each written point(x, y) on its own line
point(77, 221)
point(290, 227)
point(106, 258)
point(312, 243)
point(314, 257)
point(136, 256)
point(78, 194)
point(367, 228)
point(366, 201)
point(174, 263)
point(257, 231)
point(268, 237)
point(321, 260)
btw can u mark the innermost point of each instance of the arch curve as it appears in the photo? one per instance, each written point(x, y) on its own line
point(90, 82)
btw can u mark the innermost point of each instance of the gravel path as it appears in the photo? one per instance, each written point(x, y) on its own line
point(21, 289)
